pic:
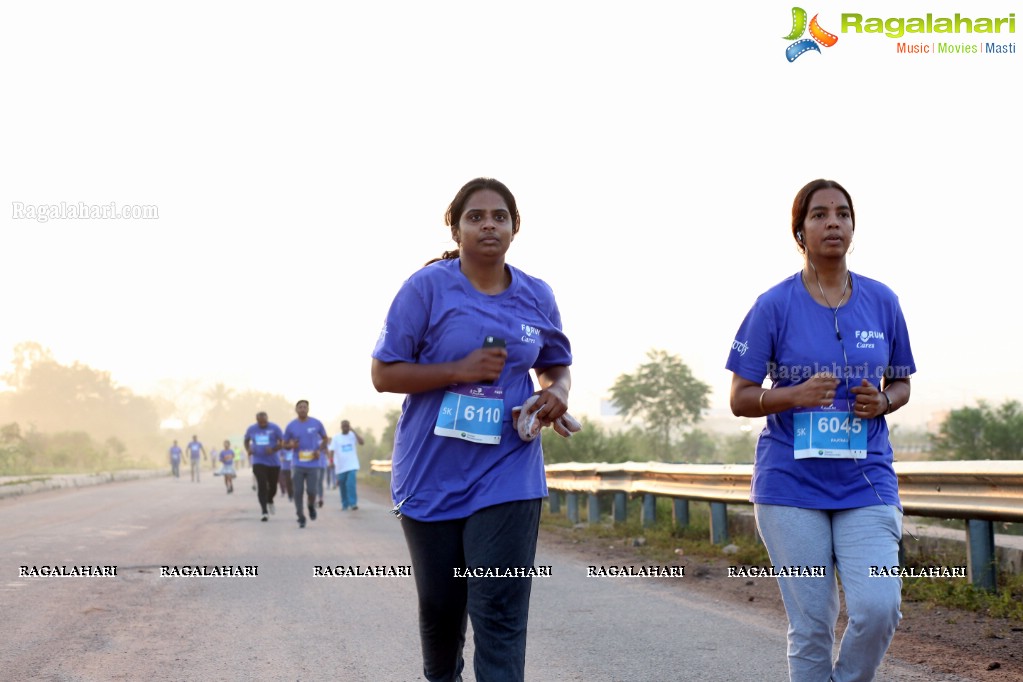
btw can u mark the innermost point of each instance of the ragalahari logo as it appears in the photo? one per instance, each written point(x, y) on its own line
point(817, 35)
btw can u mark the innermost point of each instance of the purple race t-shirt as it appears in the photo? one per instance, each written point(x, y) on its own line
point(309, 434)
point(264, 439)
point(789, 337)
point(438, 316)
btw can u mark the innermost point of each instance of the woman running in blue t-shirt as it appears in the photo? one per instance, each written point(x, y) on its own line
point(460, 339)
point(825, 493)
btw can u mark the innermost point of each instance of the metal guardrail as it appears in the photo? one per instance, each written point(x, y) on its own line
point(987, 489)
point(979, 492)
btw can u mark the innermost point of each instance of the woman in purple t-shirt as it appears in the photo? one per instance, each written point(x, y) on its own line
point(460, 339)
point(836, 348)
point(227, 458)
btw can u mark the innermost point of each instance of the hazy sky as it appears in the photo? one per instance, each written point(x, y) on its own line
point(301, 157)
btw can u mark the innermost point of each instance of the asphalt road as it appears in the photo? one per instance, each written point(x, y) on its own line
point(287, 624)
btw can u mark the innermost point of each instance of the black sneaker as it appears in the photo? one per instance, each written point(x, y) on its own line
point(354, 507)
point(265, 518)
point(301, 523)
point(312, 513)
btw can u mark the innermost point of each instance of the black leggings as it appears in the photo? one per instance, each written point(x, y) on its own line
point(266, 483)
point(501, 537)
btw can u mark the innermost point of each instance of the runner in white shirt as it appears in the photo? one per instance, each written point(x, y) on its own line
point(346, 461)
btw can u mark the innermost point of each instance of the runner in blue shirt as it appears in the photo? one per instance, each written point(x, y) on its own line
point(227, 460)
point(308, 439)
point(324, 463)
point(468, 489)
point(285, 475)
point(175, 460)
point(836, 348)
point(262, 441)
point(195, 451)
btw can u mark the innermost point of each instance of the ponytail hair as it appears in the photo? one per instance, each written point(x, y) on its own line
point(457, 206)
point(447, 255)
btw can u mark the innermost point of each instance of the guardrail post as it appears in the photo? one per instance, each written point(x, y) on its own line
point(680, 512)
point(593, 509)
point(554, 499)
point(980, 536)
point(718, 523)
point(649, 509)
point(620, 507)
point(572, 507)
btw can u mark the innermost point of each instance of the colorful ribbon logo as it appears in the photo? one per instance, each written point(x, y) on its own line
point(817, 35)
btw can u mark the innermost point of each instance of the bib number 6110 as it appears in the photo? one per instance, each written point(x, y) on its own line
point(482, 415)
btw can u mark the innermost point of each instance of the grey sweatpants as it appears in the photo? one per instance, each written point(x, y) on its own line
point(850, 541)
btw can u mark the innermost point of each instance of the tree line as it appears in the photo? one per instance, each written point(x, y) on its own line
point(72, 418)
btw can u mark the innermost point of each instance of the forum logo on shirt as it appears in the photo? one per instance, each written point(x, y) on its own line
point(530, 334)
point(863, 338)
point(818, 36)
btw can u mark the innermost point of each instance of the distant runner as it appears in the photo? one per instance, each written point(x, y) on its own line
point(285, 457)
point(175, 460)
point(307, 437)
point(346, 459)
point(195, 449)
point(227, 466)
point(262, 441)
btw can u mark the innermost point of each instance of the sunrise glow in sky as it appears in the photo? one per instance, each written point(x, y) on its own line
point(301, 157)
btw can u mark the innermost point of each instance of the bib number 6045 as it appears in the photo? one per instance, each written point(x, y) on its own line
point(839, 425)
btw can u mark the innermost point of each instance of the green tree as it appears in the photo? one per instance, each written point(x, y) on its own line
point(52, 398)
point(982, 432)
point(219, 398)
point(593, 443)
point(664, 395)
point(737, 448)
point(231, 413)
point(26, 355)
point(697, 445)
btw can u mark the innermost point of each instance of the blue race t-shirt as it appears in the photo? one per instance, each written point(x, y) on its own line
point(175, 453)
point(227, 457)
point(264, 439)
point(285, 457)
point(438, 316)
point(790, 337)
point(309, 434)
point(195, 449)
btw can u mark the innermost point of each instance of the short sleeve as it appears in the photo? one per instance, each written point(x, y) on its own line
point(404, 327)
point(753, 345)
point(556, 348)
point(901, 363)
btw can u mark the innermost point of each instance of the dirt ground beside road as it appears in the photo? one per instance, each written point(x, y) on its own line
point(951, 641)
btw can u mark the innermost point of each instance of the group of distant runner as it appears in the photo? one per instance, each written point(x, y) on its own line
point(299, 461)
